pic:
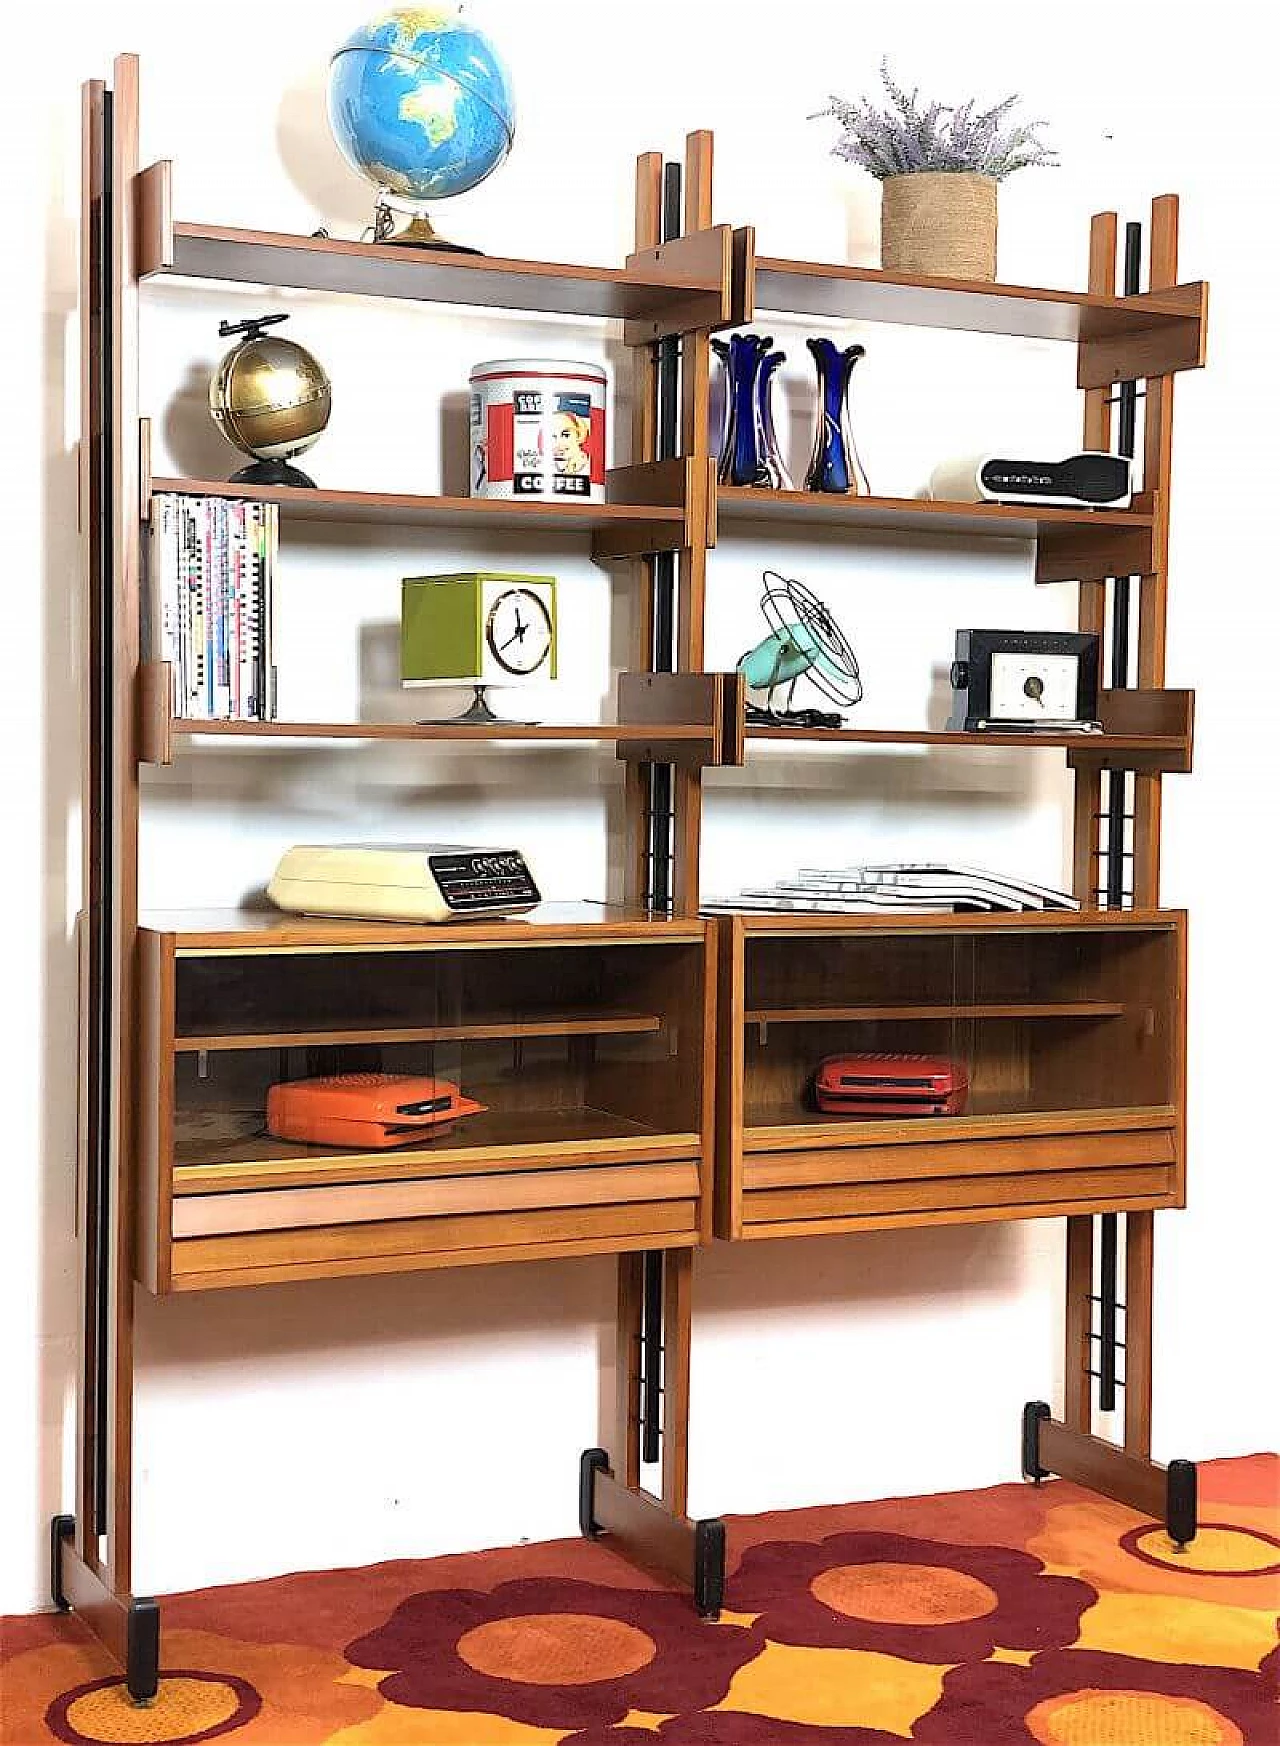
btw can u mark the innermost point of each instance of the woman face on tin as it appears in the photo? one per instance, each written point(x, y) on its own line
point(569, 439)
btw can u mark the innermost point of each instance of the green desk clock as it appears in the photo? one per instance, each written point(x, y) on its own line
point(480, 628)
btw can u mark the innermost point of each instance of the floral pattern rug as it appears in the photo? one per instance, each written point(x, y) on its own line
point(1015, 1616)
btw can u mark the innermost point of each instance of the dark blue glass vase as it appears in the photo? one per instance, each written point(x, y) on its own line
point(749, 453)
point(835, 465)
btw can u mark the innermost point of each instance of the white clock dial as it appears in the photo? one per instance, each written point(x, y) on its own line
point(1033, 688)
point(518, 631)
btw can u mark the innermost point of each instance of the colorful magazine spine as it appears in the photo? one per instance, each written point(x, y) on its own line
point(210, 613)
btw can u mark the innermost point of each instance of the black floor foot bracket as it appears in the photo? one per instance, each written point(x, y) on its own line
point(1170, 1493)
point(129, 1625)
point(692, 1552)
point(1033, 1415)
point(593, 1461)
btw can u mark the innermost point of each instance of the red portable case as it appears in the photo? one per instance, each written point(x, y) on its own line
point(891, 1084)
point(373, 1110)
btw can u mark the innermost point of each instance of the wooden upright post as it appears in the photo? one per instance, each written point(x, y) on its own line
point(657, 1529)
point(1077, 1357)
point(126, 567)
point(1068, 1446)
point(1093, 595)
point(91, 1553)
point(1153, 606)
point(695, 417)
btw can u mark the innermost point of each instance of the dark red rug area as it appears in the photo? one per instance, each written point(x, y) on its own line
point(1017, 1616)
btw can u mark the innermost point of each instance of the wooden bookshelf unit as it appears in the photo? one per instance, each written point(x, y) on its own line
point(644, 1070)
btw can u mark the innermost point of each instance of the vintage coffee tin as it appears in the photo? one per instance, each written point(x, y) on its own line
point(539, 430)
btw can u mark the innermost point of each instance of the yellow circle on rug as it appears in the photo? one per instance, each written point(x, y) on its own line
point(183, 1706)
point(557, 1648)
point(1222, 1551)
point(1129, 1718)
point(903, 1594)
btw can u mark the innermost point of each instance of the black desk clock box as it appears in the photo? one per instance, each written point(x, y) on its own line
point(1025, 681)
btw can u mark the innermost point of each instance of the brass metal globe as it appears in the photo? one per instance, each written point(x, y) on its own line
point(271, 399)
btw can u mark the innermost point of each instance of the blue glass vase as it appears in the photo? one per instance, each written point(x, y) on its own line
point(749, 453)
point(835, 465)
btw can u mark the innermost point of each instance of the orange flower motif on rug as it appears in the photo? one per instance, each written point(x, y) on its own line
point(553, 1653)
point(1072, 1697)
point(1015, 1616)
point(921, 1600)
point(200, 1706)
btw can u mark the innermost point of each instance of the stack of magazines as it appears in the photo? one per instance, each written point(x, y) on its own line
point(895, 885)
point(212, 575)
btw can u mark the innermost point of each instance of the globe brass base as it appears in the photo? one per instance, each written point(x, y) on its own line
point(420, 233)
point(272, 473)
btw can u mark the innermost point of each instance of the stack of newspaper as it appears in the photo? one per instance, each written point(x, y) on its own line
point(894, 885)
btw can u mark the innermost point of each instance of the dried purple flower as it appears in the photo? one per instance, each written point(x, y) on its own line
point(902, 138)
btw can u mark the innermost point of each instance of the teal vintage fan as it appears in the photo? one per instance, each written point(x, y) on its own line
point(804, 642)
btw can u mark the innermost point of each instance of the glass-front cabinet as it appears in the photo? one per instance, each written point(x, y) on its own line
point(939, 1068)
point(323, 1097)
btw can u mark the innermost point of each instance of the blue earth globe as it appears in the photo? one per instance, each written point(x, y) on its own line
point(420, 103)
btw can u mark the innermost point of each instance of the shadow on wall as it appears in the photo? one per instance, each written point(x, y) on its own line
point(862, 1269)
point(453, 1308)
point(62, 684)
point(476, 1304)
point(190, 433)
point(314, 164)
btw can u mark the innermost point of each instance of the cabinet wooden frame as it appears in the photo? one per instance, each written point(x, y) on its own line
point(1072, 1029)
point(644, 1189)
point(631, 1169)
point(464, 1206)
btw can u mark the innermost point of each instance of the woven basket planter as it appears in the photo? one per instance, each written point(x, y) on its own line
point(940, 223)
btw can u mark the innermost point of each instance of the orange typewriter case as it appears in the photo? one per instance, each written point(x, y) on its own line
point(891, 1084)
point(372, 1110)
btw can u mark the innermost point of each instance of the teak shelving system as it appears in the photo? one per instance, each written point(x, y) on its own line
point(643, 1067)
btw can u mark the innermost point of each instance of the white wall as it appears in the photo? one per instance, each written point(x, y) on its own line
point(309, 1425)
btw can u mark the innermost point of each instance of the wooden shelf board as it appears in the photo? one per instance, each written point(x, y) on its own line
point(1102, 746)
point(408, 510)
point(825, 1225)
point(486, 1137)
point(1019, 311)
point(945, 922)
point(204, 932)
point(810, 1015)
point(459, 733)
point(274, 258)
point(990, 1114)
point(915, 515)
point(320, 1168)
point(601, 1024)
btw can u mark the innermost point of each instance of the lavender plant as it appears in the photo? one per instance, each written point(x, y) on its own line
point(904, 137)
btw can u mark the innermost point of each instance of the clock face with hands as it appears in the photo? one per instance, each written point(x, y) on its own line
point(518, 631)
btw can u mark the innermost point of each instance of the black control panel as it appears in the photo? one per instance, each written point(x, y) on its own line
point(1085, 478)
point(480, 879)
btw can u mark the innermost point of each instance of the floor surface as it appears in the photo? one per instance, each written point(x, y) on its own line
point(1015, 1616)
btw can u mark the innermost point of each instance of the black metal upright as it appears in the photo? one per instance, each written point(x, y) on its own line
point(1119, 815)
point(662, 653)
point(661, 811)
